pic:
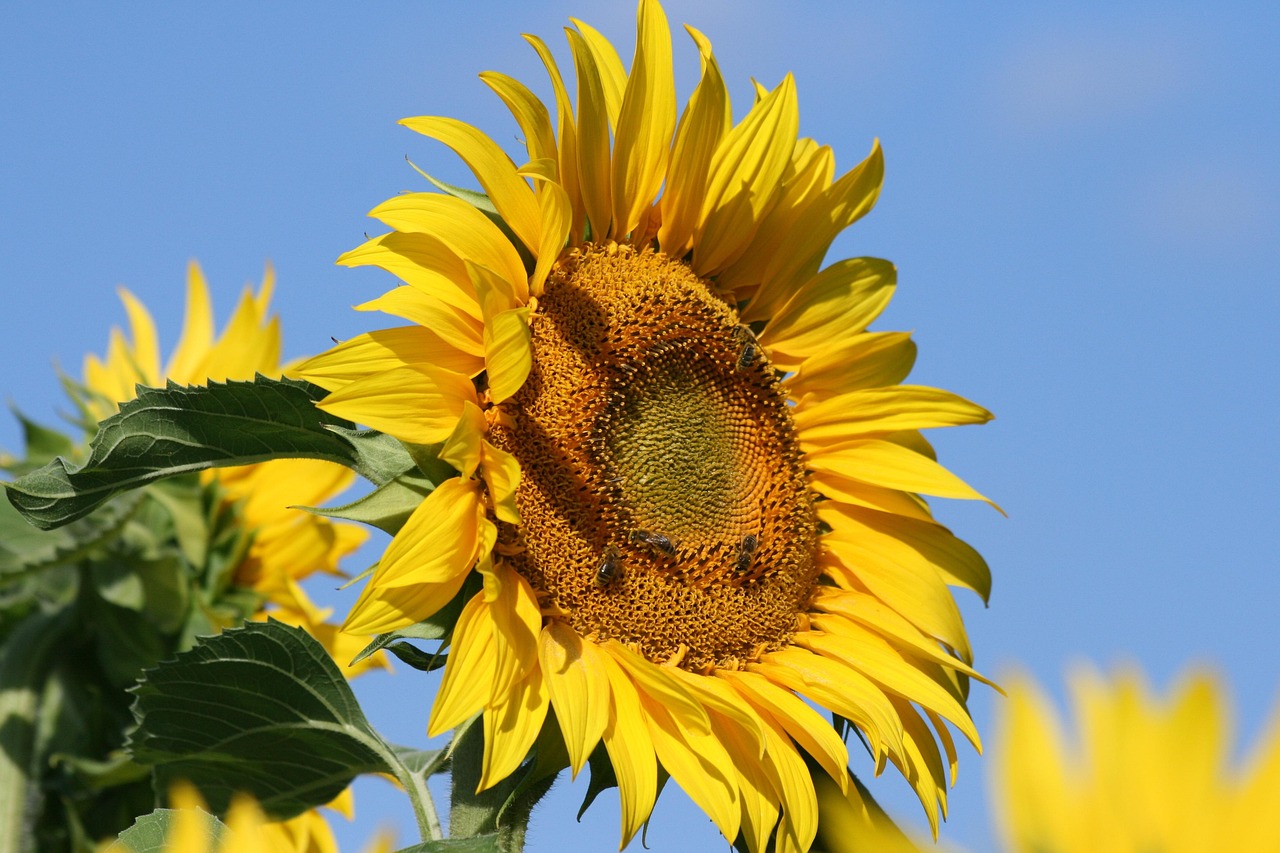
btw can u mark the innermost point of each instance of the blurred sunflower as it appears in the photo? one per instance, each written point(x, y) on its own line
point(287, 545)
point(688, 475)
point(247, 830)
point(1145, 773)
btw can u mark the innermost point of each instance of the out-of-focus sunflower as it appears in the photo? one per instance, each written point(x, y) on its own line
point(248, 830)
point(287, 544)
point(1143, 773)
point(688, 475)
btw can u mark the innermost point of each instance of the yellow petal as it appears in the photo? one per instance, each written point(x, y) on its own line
point(511, 727)
point(849, 491)
point(508, 344)
point(529, 112)
point(422, 261)
point(496, 172)
point(593, 138)
point(906, 541)
point(806, 176)
point(646, 121)
point(883, 463)
point(462, 448)
point(805, 725)
point(744, 173)
point(915, 590)
point(705, 121)
point(1031, 769)
point(810, 233)
point(853, 821)
point(466, 232)
point(191, 828)
point(715, 695)
point(863, 361)
point(567, 134)
point(829, 309)
point(502, 476)
point(517, 619)
point(458, 328)
point(383, 350)
point(795, 785)
point(658, 682)
point(557, 222)
point(840, 689)
point(579, 687)
point(197, 328)
point(145, 351)
point(467, 686)
point(416, 404)
point(877, 410)
point(631, 750)
point(698, 763)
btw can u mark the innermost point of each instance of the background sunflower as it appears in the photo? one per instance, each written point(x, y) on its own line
point(1080, 206)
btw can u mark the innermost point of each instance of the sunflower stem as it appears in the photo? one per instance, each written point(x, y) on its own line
point(424, 806)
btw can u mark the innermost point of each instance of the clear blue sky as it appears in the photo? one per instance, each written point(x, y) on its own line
point(1082, 200)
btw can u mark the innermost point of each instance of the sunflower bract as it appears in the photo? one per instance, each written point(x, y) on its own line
point(689, 476)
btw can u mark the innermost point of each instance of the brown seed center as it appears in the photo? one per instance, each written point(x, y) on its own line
point(663, 499)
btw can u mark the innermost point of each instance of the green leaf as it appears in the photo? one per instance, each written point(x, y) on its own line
point(177, 430)
point(260, 709)
point(148, 832)
point(381, 458)
point(42, 443)
point(602, 779)
point(27, 550)
point(476, 844)
point(387, 508)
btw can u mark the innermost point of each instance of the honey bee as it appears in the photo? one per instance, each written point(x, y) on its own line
point(750, 352)
point(656, 541)
point(745, 551)
point(610, 568)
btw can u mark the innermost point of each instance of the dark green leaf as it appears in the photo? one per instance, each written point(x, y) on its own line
point(417, 658)
point(260, 709)
point(177, 430)
point(423, 763)
point(387, 507)
point(148, 832)
point(381, 457)
point(26, 550)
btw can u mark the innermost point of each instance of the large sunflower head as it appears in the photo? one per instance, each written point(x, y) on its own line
point(688, 475)
point(1141, 773)
point(286, 544)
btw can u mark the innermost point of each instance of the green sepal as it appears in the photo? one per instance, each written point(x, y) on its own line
point(181, 430)
point(41, 444)
point(489, 843)
point(260, 709)
point(148, 833)
point(387, 508)
point(602, 778)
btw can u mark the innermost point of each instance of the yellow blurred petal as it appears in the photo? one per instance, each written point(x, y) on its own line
point(383, 350)
point(529, 112)
point(416, 404)
point(877, 410)
point(593, 138)
point(829, 309)
point(704, 122)
point(496, 172)
point(455, 327)
point(197, 327)
point(862, 361)
point(465, 231)
point(145, 351)
point(646, 121)
point(191, 829)
point(511, 727)
point(631, 750)
point(744, 173)
point(853, 821)
point(467, 686)
point(579, 688)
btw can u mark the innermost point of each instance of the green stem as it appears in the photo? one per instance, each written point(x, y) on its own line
point(424, 807)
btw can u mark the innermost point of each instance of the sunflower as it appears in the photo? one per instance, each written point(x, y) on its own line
point(287, 545)
point(1145, 772)
point(247, 830)
point(688, 475)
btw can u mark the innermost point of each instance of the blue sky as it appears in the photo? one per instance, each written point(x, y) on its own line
point(1082, 200)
